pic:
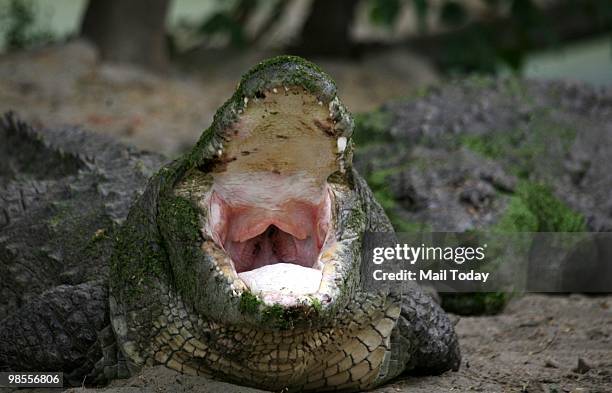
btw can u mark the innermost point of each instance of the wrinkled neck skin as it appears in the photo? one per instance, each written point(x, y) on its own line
point(249, 270)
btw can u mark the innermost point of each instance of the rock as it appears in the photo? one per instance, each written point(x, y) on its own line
point(458, 152)
point(550, 363)
point(504, 155)
point(582, 367)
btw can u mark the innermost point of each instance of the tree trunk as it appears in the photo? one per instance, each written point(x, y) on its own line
point(130, 31)
point(326, 31)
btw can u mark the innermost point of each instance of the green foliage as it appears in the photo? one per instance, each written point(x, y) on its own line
point(552, 214)
point(534, 208)
point(492, 145)
point(514, 29)
point(517, 218)
point(229, 22)
point(479, 46)
point(421, 9)
point(17, 21)
point(452, 14)
point(372, 127)
point(223, 23)
point(385, 12)
point(518, 27)
point(377, 181)
point(379, 184)
point(482, 303)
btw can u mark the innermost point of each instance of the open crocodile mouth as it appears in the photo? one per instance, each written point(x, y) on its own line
point(274, 250)
point(254, 236)
point(270, 205)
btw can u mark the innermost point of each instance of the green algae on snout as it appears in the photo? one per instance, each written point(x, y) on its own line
point(249, 303)
point(276, 316)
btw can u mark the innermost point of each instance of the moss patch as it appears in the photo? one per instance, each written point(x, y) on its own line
point(302, 75)
point(249, 303)
point(377, 181)
point(282, 318)
point(372, 127)
point(475, 303)
point(181, 217)
point(274, 72)
point(379, 184)
point(179, 223)
point(534, 208)
point(521, 149)
point(317, 305)
point(138, 255)
point(277, 316)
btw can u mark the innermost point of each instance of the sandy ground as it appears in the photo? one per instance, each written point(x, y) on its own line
point(539, 344)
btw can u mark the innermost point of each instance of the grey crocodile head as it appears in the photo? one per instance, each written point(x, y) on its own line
point(242, 258)
point(261, 222)
point(270, 185)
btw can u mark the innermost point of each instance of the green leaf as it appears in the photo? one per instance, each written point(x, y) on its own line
point(384, 12)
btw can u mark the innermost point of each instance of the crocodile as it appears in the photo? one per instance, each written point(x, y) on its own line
point(240, 260)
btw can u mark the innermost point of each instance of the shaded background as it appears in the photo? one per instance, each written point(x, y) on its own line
point(154, 71)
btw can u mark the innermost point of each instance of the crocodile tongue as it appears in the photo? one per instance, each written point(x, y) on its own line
point(282, 281)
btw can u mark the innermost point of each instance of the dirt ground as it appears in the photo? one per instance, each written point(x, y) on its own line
point(539, 344)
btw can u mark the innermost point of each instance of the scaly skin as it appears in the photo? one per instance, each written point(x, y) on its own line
point(174, 299)
point(63, 194)
point(176, 302)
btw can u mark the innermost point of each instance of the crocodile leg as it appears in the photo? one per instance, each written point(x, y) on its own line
point(423, 340)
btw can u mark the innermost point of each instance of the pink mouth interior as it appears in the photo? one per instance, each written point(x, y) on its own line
point(254, 236)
